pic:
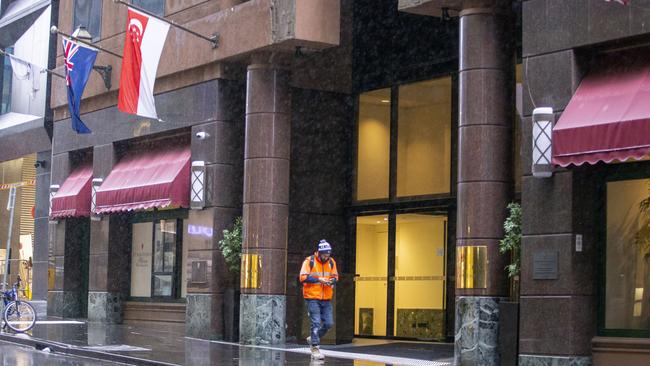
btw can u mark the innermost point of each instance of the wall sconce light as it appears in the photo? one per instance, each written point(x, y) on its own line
point(197, 191)
point(53, 189)
point(97, 182)
point(543, 121)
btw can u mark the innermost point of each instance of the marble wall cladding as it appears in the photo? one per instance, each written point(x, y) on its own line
point(530, 360)
point(204, 316)
point(65, 304)
point(262, 319)
point(105, 307)
point(477, 328)
point(420, 323)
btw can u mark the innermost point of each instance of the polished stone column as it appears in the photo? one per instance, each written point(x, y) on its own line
point(486, 78)
point(211, 287)
point(110, 245)
point(266, 202)
point(68, 240)
point(41, 234)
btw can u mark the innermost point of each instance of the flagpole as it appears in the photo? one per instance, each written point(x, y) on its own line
point(55, 30)
point(214, 40)
point(3, 52)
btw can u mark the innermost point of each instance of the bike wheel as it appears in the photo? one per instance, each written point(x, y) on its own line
point(19, 316)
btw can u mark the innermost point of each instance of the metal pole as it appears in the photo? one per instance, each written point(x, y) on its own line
point(3, 52)
point(55, 30)
point(10, 207)
point(214, 40)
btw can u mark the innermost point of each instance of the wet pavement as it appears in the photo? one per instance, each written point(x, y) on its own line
point(11, 354)
point(166, 345)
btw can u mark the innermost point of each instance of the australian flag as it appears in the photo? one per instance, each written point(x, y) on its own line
point(79, 61)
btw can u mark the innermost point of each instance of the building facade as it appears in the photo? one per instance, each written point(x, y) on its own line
point(25, 143)
point(397, 130)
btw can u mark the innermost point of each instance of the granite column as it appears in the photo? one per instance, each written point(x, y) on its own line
point(110, 241)
point(217, 147)
point(266, 202)
point(486, 77)
point(68, 256)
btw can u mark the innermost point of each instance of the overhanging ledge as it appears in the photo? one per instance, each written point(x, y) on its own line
point(22, 134)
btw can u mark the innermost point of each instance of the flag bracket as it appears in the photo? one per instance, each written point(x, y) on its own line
point(105, 72)
point(214, 39)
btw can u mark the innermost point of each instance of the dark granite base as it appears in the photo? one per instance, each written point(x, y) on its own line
point(262, 319)
point(477, 331)
point(202, 314)
point(65, 304)
point(105, 307)
point(531, 360)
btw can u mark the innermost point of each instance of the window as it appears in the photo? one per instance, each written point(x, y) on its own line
point(157, 259)
point(373, 154)
point(154, 6)
point(88, 13)
point(415, 132)
point(424, 138)
point(627, 253)
point(6, 75)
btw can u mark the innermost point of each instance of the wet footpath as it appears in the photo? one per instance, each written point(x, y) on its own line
point(71, 342)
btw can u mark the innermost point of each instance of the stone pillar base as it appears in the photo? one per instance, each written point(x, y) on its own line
point(203, 316)
point(64, 304)
point(477, 331)
point(40, 307)
point(262, 319)
point(532, 360)
point(105, 307)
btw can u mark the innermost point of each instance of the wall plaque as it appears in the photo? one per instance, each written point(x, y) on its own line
point(545, 265)
point(251, 268)
point(471, 267)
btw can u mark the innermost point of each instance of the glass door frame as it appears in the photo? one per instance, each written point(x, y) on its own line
point(155, 217)
point(450, 245)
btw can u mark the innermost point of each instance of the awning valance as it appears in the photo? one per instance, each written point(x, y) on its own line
point(608, 117)
point(73, 198)
point(153, 178)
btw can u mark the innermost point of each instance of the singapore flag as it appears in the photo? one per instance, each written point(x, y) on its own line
point(145, 38)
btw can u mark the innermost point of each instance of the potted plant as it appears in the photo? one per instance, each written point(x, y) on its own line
point(230, 245)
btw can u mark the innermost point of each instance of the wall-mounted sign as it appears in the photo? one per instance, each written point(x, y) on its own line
point(545, 265)
point(471, 267)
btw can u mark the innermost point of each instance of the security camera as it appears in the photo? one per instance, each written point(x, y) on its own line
point(202, 135)
point(39, 163)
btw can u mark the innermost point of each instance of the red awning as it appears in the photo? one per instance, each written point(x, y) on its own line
point(73, 197)
point(608, 117)
point(154, 178)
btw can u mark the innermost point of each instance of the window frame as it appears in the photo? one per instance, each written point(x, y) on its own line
point(162, 2)
point(154, 217)
point(393, 138)
point(613, 173)
point(96, 37)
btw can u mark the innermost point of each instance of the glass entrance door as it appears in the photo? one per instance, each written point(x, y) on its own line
point(420, 247)
point(371, 277)
point(400, 275)
point(164, 258)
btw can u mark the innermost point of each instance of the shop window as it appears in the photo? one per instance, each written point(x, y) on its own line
point(373, 154)
point(424, 138)
point(156, 262)
point(88, 13)
point(5, 83)
point(627, 253)
point(154, 6)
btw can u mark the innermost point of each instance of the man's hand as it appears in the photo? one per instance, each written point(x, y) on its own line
point(327, 282)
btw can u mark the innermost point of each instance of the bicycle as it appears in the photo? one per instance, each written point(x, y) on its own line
point(18, 315)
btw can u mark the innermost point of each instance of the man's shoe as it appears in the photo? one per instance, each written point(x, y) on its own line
point(315, 353)
point(308, 339)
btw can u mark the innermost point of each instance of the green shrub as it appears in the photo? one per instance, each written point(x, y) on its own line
point(511, 241)
point(230, 246)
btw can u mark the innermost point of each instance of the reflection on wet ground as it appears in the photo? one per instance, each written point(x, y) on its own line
point(14, 355)
point(168, 344)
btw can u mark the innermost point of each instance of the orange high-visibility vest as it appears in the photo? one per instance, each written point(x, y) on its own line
point(327, 271)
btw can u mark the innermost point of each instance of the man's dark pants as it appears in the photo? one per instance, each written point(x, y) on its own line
point(320, 315)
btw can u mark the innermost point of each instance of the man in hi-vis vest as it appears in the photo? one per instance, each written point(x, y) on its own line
point(318, 276)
